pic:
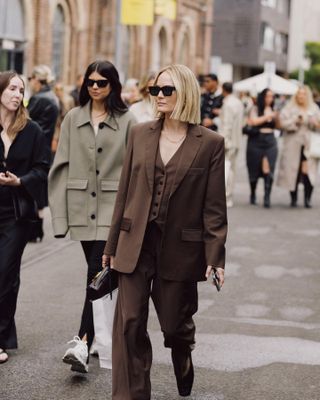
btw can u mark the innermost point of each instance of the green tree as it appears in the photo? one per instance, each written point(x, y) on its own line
point(312, 76)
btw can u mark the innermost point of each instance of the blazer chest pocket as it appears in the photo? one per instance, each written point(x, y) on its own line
point(192, 235)
point(77, 202)
point(107, 198)
point(195, 171)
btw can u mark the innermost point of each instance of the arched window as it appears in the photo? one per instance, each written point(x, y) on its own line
point(163, 41)
point(58, 39)
point(160, 55)
point(184, 53)
point(12, 35)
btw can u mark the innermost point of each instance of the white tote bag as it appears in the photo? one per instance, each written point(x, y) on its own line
point(314, 149)
point(103, 313)
point(227, 167)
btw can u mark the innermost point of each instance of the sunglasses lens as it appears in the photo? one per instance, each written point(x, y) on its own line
point(167, 90)
point(154, 90)
point(101, 83)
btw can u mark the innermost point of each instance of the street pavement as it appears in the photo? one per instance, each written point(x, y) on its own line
point(258, 339)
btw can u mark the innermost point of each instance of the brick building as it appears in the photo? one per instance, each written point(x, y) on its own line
point(69, 34)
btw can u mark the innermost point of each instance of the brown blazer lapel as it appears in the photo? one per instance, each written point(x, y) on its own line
point(189, 151)
point(152, 143)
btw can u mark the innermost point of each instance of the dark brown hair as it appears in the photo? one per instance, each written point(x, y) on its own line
point(21, 116)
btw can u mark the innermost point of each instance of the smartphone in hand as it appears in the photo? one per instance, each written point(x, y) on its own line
point(216, 280)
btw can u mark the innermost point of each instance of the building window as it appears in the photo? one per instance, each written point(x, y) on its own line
point(269, 3)
point(267, 37)
point(284, 7)
point(58, 42)
point(12, 35)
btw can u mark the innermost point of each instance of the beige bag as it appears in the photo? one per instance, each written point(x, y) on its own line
point(314, 149)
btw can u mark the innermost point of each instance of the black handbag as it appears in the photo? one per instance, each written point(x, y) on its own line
point(251, 130)
point(25, 207)
point(105, 282)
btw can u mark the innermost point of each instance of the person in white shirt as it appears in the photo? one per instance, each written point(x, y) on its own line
point(231, 117)
point(143, 110)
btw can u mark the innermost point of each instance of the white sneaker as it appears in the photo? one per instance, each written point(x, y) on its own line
point(77, 356)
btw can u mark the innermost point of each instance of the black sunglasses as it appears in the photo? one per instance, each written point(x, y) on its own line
point(101, 83)
point(166, 90)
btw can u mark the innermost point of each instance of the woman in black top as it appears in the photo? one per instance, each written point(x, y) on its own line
point(262, 148)
point(23, 171)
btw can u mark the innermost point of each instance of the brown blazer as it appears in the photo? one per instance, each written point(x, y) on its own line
point(196, 225)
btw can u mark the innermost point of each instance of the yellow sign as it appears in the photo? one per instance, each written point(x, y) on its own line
point(137, 12)
point(167, 8)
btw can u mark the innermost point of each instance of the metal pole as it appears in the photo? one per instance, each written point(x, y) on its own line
point(118, 40)
point(301, 74)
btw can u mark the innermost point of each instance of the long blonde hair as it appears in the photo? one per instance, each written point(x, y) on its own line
point(21, 116)
point(310, 102)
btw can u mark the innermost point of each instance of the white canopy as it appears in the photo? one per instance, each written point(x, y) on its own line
point(257, 83)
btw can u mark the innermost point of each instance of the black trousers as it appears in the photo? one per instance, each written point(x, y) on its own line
point(93, 251)
point(13, 239)
point(175, 303)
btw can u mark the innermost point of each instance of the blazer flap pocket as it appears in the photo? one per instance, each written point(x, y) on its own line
point(192, 235)
point(195, 171)
point(80, 184)
point(125, 224)
point(111, 186)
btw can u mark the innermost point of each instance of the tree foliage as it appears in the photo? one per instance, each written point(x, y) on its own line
point(312, 76)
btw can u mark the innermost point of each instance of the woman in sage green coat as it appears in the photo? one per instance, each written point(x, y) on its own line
point(83, 180)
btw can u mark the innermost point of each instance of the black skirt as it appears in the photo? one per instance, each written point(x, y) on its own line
point(262, 145)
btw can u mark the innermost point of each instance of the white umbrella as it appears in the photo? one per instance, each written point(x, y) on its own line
point(257, 83)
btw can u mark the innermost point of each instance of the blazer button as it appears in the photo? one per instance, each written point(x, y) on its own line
point(97, 172)
point(99, 149)
point(93, 194)
point(93, 216)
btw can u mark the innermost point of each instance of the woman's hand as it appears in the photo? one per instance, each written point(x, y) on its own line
point(220, 272)
point(9, 179)
point(107, 260)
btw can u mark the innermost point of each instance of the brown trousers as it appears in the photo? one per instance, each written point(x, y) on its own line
point(175, 303)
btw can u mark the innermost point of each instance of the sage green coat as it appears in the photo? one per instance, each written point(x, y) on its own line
point(84, 177)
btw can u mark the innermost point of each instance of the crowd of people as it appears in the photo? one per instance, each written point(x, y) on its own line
point(263, 119)
point(141, 176)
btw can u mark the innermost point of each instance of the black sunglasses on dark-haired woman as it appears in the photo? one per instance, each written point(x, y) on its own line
point(101, 83)
point(166, 90)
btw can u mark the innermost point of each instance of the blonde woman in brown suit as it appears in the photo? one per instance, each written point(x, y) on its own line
point(167, 233)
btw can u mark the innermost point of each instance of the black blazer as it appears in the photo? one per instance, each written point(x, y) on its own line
point(27, 160)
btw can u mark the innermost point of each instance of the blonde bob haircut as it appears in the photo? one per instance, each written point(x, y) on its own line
point(187, 108)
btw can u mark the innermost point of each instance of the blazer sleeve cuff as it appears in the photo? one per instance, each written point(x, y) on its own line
point(60, 227)
point(215, 254)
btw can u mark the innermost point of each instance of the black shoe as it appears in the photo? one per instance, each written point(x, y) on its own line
point(294, 198)
point(253, 199)
point(36, 232)
point(183, 369)
point(253, 186)
point(267, 190)
point(308, 189)
point(307, 202)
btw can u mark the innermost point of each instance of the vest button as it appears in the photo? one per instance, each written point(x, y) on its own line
point(93, 216)
point(99, 149)
point(93, 194)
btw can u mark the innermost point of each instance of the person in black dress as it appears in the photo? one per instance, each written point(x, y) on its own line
point(23, 171)
point(262, 148)
point(43, 108)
